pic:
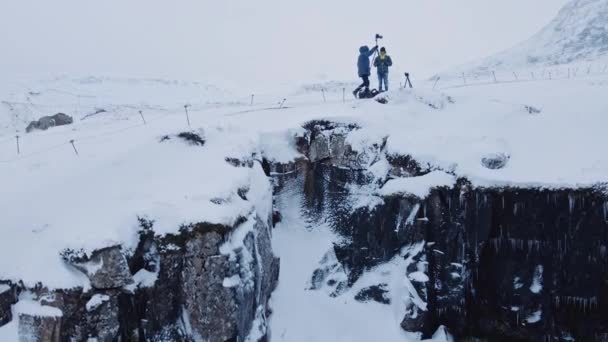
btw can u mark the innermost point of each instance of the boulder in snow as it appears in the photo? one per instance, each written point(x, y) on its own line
point(107, 268)
point(495, 161)
point(46, 122)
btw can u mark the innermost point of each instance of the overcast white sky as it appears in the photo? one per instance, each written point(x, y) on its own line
point(255, 40)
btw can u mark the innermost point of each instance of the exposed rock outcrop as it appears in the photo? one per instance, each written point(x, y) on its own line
point(500, 264)
point(209, 282)
point(107, 268)
point(46, 122)
point(8, 297)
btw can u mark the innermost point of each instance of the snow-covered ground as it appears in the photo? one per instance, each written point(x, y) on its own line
point(53, 199)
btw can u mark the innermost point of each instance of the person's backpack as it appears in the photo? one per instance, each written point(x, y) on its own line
point(368, 94)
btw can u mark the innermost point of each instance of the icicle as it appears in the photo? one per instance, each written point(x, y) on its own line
point(571, 202)
point(606, 211)
point(503, 202)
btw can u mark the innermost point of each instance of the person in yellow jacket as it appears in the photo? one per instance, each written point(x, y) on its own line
point(382, 63)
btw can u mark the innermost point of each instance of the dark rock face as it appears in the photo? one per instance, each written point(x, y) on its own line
point(497, 264)
point(8, 297)
point(39, 328)
point(106, 269)
point(202, 283)
point(495, 161)
point(210, 306)
point(47, 122)
point(376, 293)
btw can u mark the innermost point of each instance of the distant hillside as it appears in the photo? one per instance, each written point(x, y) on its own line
point(578, 34)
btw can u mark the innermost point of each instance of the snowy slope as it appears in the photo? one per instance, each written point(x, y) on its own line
point(53, 199)
point(579, 34)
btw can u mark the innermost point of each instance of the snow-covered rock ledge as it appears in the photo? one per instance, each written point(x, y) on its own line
point(208, 281)
point(490, 260)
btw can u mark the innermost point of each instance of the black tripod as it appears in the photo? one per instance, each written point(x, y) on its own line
point(407, 81)
point(376, 52)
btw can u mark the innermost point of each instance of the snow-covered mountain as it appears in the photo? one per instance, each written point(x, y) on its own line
point(579, 34)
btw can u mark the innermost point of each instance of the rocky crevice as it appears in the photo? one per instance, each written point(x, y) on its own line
point(502, 264)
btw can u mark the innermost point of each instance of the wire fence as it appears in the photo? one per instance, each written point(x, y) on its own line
point(489, 77)
point(332, 93)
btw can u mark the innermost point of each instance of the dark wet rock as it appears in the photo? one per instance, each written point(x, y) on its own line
point(326, 142)
point(329, 275)
point(191, 138)
point(206, 284)
point(35, 327)
point(236, 162)
point(532, 110)
point(495, 161)
point(319, 148)
point(8, 297)
point(376, 293)
point(381, 99)
point(414, 319)
point(102, 318)
point(47, 122)
point(495, 264)
point(210, 306)
point(107, 268)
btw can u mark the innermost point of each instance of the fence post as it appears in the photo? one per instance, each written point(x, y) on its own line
point(18, 149)
point(323, 92)
point(282, 103)
point(142, 117)
point(251, 100)
point(74, 146)
point(436, 80)
point(187, 116)
point(494, 75)
point(343, 95)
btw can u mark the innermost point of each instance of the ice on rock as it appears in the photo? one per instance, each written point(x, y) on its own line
point(537, 281)
point(4, 288)
point(233, 281)
point(96, 301)
point(534, 317)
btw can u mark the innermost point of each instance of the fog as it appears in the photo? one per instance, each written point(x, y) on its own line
point(254, 41)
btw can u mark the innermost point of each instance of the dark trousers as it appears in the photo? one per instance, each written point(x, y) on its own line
point(365, 83)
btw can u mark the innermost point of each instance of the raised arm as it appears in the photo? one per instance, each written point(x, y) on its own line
point(371, 52)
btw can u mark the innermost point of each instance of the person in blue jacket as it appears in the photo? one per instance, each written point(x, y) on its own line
point(382, 63)
point(364, 67)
